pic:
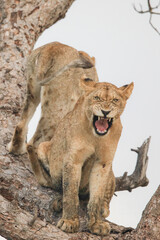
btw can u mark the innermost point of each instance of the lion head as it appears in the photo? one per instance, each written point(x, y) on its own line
point(104, 103)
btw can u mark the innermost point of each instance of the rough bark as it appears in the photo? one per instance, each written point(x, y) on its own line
point(25, 207)
point(149, 225)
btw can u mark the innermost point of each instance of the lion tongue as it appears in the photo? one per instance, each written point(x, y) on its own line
point(101, 124)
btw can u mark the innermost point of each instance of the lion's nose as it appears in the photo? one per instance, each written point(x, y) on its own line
point(105, 113)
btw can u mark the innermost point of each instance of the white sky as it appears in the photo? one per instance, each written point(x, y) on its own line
point(126, 49)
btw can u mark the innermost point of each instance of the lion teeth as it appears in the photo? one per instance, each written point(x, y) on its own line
point(102, 131)
point(99, 117)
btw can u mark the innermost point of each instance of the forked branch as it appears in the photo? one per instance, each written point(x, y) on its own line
point(151, 11)
point(138, 177)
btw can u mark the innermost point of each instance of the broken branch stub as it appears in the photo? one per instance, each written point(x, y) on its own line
point(138, 177)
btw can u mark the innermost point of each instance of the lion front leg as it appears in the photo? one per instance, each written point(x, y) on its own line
point(110, 188)
point(71, 180)
point(98, 207)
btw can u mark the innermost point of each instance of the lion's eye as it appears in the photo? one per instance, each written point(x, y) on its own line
point(97, 98)
point(115, 100)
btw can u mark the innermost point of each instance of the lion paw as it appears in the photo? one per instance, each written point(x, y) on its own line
point(69, 226)
point(57, 205)
point(16, 149)
point(105, 210)
point(100, 228)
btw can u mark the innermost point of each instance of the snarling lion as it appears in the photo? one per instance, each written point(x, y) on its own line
point(80, 154)
point(76, 139)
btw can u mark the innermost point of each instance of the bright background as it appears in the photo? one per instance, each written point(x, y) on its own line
point(126, 49)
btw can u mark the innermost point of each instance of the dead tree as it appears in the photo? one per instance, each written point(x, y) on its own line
point(25, 207)
point(151, 10)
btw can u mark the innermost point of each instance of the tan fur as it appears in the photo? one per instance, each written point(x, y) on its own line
point(75, 146)
point(58, 96)
point(70, 153)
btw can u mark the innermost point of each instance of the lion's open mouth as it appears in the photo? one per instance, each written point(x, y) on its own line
point(102, 124)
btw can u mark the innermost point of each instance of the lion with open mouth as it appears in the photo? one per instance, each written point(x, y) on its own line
point(75, 141)
point(78, 159)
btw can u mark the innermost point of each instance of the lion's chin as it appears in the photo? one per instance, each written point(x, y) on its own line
point(102, 125)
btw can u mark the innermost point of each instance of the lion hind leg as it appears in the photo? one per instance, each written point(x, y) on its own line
point(39, 164)
point(56, 204)
point(18, 141)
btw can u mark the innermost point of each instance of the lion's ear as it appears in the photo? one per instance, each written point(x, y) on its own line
point(93, 60)
point(86, 60)
point(127, 90)
point(87, 84)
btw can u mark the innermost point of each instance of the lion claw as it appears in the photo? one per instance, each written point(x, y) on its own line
point(68, 225)
point(100, 228)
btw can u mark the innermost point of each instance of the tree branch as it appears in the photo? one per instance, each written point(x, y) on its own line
point(138, 177)
point(25, 207)
point(150, 22)
point(151, 12)
point(31, 205)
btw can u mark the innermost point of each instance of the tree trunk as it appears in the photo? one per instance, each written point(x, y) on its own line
point(25, 207)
